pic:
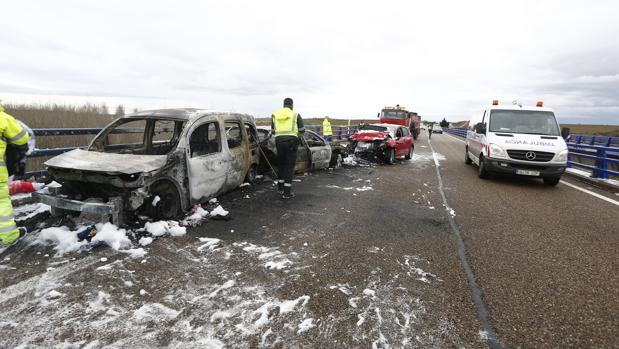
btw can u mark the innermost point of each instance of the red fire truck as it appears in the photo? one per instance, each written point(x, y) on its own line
point(400, 116)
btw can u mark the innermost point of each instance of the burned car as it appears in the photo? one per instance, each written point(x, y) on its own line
point(313, 153)
point(157, 162)
point(382, 142)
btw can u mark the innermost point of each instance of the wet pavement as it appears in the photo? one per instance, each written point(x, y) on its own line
point(361, 257)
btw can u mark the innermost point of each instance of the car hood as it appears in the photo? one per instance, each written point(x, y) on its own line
point(365, 136)
point(84, 160)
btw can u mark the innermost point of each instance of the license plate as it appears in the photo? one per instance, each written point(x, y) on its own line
point(527, 173)
point(363, 145)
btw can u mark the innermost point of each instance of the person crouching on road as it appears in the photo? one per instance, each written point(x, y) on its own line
point(13, 135)
point(287, 126)
point(327, 133)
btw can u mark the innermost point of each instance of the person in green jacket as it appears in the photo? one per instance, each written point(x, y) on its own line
point(12, 134)
point(327, 133)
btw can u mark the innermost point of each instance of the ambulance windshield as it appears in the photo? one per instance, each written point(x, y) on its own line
point(524, 121)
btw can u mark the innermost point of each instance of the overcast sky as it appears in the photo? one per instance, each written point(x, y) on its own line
point(338, 58)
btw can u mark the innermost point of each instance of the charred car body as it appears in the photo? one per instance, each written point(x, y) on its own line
point(382, 142)
point(157, 162)
point(314, 153)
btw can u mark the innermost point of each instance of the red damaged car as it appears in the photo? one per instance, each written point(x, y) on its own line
point(382, 142)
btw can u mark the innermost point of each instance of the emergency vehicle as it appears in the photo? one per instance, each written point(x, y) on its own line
point(400, 116)
point(518, 140)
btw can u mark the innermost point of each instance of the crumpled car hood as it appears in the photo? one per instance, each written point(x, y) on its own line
point(84, 160)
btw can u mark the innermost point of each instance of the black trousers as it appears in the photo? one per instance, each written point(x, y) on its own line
point(286, 158)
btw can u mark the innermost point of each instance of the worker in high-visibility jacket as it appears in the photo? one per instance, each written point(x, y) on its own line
point(12, 134)
point(287, 126)
point(327, 133)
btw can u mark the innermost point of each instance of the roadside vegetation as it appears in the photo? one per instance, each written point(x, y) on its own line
point(59, 116)
point(597, 130)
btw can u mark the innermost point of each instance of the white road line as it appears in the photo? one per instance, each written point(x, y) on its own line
point(614, 202)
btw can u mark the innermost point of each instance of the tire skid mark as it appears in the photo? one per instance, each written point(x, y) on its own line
point(476, 292)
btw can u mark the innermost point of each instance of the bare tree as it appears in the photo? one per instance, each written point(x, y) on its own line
point(120, 110)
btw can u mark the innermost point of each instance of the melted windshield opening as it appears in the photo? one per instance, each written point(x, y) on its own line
point(140, 136)
point(524, 121)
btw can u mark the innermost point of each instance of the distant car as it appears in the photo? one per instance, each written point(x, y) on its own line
point(313, 154)
point(383, 142)
point(158, 162)
point(437, 129)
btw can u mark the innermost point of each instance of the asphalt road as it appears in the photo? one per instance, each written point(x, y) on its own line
point(361, 257)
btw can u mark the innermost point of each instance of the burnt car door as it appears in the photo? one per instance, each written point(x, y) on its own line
point(401, 141)
point(238, 148)
point(320, 151)
point(207, 162)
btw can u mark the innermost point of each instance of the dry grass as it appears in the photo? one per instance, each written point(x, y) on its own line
point(598, 130)
point(59, 116)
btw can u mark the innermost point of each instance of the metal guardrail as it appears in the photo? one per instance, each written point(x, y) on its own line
point(460, 132)
point(341, 133)
point(602, 150)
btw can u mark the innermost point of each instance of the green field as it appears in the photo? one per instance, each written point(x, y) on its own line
point(597, 130)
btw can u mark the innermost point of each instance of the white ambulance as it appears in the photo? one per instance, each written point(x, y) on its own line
point(518, 140)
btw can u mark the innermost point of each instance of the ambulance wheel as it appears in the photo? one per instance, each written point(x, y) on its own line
point(410, 154)
point(390, 155)
point(482, 172)
point(467, 159)
point(551, 181)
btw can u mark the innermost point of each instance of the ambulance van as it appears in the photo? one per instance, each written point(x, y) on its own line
point(516, 140)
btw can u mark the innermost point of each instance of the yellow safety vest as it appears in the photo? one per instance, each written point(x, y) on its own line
point(285, 122)
point(10, 132)
point(326, 128)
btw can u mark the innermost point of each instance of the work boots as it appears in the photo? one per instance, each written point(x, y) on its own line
point(287, 194)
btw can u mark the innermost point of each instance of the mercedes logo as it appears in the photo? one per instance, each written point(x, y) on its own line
point(530, 155)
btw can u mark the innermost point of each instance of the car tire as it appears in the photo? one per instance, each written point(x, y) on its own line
point(467, 159)
point(250, 177)
point(482, 172)
point(551, 181)
point(390, 156)
point(410, 154)
point(169, 204)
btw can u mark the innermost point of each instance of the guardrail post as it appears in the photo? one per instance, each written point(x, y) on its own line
point(601, 165)
point(578, 139)
point(339, 134)
point(592, 141)
point(608, 141)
